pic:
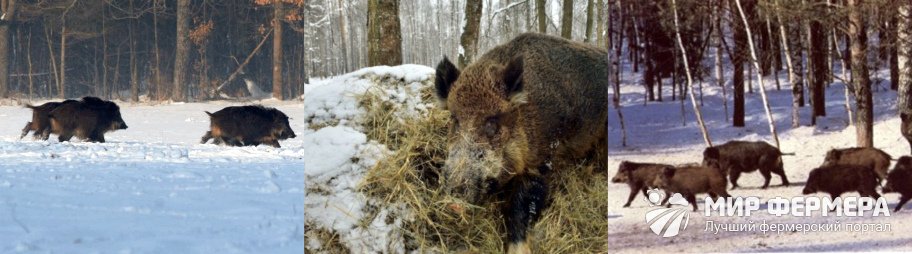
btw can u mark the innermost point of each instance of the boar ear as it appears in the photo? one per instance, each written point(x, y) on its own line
point(711, 152)
point(669, 172)
point(447, 73)
point(512, 78)
point(903, 116)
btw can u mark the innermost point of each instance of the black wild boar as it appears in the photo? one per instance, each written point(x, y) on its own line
point(906, 127)
point(248, 126)
point(41, 121)
point(736, 157)
point(87, 119)
point(640, 177)
point(900, 180)
point(838, 179)
point(534, 99)
point(867, 157)
point(692, 180)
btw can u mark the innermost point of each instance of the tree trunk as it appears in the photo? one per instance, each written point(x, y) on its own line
point(737, 60)
point(762, 88)
point(720, 76)
point(567, 20)
point(818, 68)
point(793, 77)
point(134, 73)
point(693, 98)
point(9, 14)
point(904, 60)
point(590, 19)
point(182, 51)
point(542, 17)
point(864, 125)
point(277, 51)
point(384, 35)
point(469, 38)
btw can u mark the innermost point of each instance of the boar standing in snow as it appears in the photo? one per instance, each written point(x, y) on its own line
point(867, 157)
point(248, 126)
point(900, 180)
point(692, 180)
point(736, 157)
point(837, 179)
point(41, 121)
point(87, 119)
point(521, 105)
point(640, 177)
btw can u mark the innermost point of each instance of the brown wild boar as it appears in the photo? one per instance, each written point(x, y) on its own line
point(41, 121)
point(693, 180)
point(640, 177)
point(248, 126)
point(900, 180)
point(867, 157)
point(837, 179)
point(523, 104)
point(87, 119)
point(736, 157)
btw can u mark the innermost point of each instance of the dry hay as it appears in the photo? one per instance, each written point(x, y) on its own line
point(575, 222)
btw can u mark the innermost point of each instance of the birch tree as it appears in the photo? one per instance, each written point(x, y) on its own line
point(756, 62)
point(693, 98)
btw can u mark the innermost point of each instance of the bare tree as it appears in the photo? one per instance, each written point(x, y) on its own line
point(384, 33)
point(756, 62)
point(567, 20)
point(8, 9)
point(693, 98)
point(182, 51)
point(277, 51)
point(859, 43)
point(469, 39)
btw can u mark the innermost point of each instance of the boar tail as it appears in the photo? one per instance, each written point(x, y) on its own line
point(789, 154)
point(30, 106)
point(207, 112)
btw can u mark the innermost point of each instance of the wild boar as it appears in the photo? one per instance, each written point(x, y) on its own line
point(640, 177)
point(837, 179)
point(520, 106)
point(248, 126)
point(900, 180)
point(690, 181)
point(88, 119)
point(41, 121)
point(736, 157)
point(867, 157)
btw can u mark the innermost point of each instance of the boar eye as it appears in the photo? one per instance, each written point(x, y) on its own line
point(491, 126)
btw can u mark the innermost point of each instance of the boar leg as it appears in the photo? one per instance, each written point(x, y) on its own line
point(735, 174)
point(902, 201)
point(25, 131)
point(693, 200)
point(66, 136)
point(766, 178)
point(633, 193)
point(667, 196)
point(206, 137)
point(526, 201)
point(45, 134)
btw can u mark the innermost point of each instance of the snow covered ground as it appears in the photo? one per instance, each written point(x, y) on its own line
point(656, 134)
point(339, 153)
point(152, 188)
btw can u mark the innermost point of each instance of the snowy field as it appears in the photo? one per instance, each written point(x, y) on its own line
point(151, 189)
point(656, 134)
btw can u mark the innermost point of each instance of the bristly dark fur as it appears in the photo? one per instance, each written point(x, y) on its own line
point(519, 100)
point(88, 119)
point(248, 126)
point(41, 121)
point(736, 157)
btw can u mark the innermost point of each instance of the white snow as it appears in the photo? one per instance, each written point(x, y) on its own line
point(339, 154)
point(656, 134)
point(151, 188)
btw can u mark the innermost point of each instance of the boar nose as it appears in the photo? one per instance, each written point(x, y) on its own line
point(887, 189)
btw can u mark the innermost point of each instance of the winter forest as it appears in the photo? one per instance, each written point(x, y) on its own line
point(814, 82)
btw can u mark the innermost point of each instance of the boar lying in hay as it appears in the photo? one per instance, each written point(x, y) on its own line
point(87, 119)
point(248, 126)
point(521, 105)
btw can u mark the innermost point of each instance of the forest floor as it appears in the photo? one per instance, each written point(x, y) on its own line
point(152, 188)
point(656, 134)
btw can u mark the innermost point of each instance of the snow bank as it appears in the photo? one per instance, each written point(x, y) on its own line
point(339, 153)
